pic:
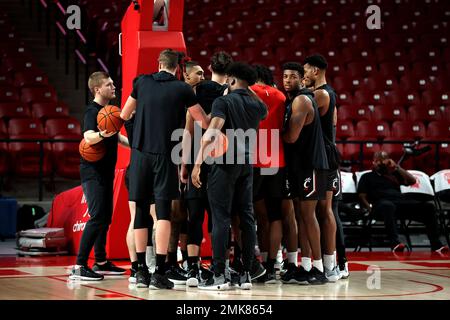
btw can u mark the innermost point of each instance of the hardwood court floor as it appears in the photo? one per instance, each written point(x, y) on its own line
point(417, 275)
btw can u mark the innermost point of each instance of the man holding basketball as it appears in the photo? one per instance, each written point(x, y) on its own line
point(160, 101)
point(97, 183)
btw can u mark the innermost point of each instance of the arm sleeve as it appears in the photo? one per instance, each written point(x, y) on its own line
point(219, 109)
point(90, 120)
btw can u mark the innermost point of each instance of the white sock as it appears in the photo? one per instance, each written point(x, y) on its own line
point(149, 256)
point(264, 256)
point(293, 257)
point(307, 263)
point(318, 264)
point(227, 264)
point(335, 258)
point(328, 261)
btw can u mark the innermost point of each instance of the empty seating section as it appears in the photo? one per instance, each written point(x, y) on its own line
point(391, 84)
point(29, 111)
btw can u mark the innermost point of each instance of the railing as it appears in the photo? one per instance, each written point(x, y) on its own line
point(41, 156)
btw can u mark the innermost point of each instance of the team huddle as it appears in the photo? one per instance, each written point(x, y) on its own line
point(279, 190)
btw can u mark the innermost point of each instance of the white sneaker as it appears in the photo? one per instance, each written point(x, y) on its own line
point(343, 271)
point(333, 274)
point(150, 259)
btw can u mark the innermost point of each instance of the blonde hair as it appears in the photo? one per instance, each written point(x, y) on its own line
point(96, 79)
point(169, 59)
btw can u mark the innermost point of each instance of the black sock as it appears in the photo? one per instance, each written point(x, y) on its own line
point(141, 260)
point(270, 264)
point(184, 254)
point(237, 251)
point(160, 264)
point(192, 261)
point(134, 265)
point(171, 259)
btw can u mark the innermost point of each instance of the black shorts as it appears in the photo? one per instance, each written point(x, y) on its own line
point(191, 191)
point(127, 184)
point(152, 174)
point(269, 183)
point(309, 184)
point(334, 183)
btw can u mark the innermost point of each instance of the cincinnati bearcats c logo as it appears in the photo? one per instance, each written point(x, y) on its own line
point(306, 183)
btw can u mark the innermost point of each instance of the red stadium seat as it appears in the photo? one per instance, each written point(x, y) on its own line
point(352, 151)
point(9, 110)
point(354, 114)
point(403, 98)
point(389, 69)
point(47, 110)
point(438, 130)
point(33, 78)
point(8, 94)
point(25, 155)
point(4, 150)
point(5, 80)
point(347, 83)
point(65, 154)
point(44, 94)
point(373, 129)
point(388, 113)
point(424, 113)
point(344, 129)
point(363, 97)
point(432, 98)
point(408, 130)
point(344, 98)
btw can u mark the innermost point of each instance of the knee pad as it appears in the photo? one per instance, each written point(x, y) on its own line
point(142, 219)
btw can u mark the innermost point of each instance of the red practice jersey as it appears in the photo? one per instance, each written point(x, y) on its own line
point(265, 156)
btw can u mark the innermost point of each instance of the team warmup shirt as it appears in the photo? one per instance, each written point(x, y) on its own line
point(162, 102)
point(104, 168)
point(326, 120)
point(240, 111)
point(308, 152)
point(274, 100)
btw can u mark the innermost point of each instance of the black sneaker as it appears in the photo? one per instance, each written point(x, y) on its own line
point(84, 273)
point(317, 277)
point(289, 275)
point(177, 275)
point(193, 276)
point(205, 273)
point(132, 278)
point(160, 282)
point(257, 270)
point(142, 278)
point(216, 283)
point(245, 282)
point(234, 277)
point(301, 276)
point(270, 277)
point(108, 269)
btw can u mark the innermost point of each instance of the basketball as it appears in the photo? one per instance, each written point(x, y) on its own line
point(92, 153)
point(109, 119)
point(219, 146)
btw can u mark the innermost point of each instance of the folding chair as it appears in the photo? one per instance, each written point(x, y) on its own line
point(441, 181)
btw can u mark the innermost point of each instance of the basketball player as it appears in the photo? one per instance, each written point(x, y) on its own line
point(307, 164)
point(196, 198)
point(97, 183)
point(193, 74)
point(239, 110)
point(268, 172)
point(315, 69)
point(160, 101)
point(150, 254)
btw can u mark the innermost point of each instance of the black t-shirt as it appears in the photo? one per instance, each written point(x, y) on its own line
point(206, 92)
point(129, 125)
point(104, 168)
point(162, 102)
point(381, 187)
point(240, 111)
